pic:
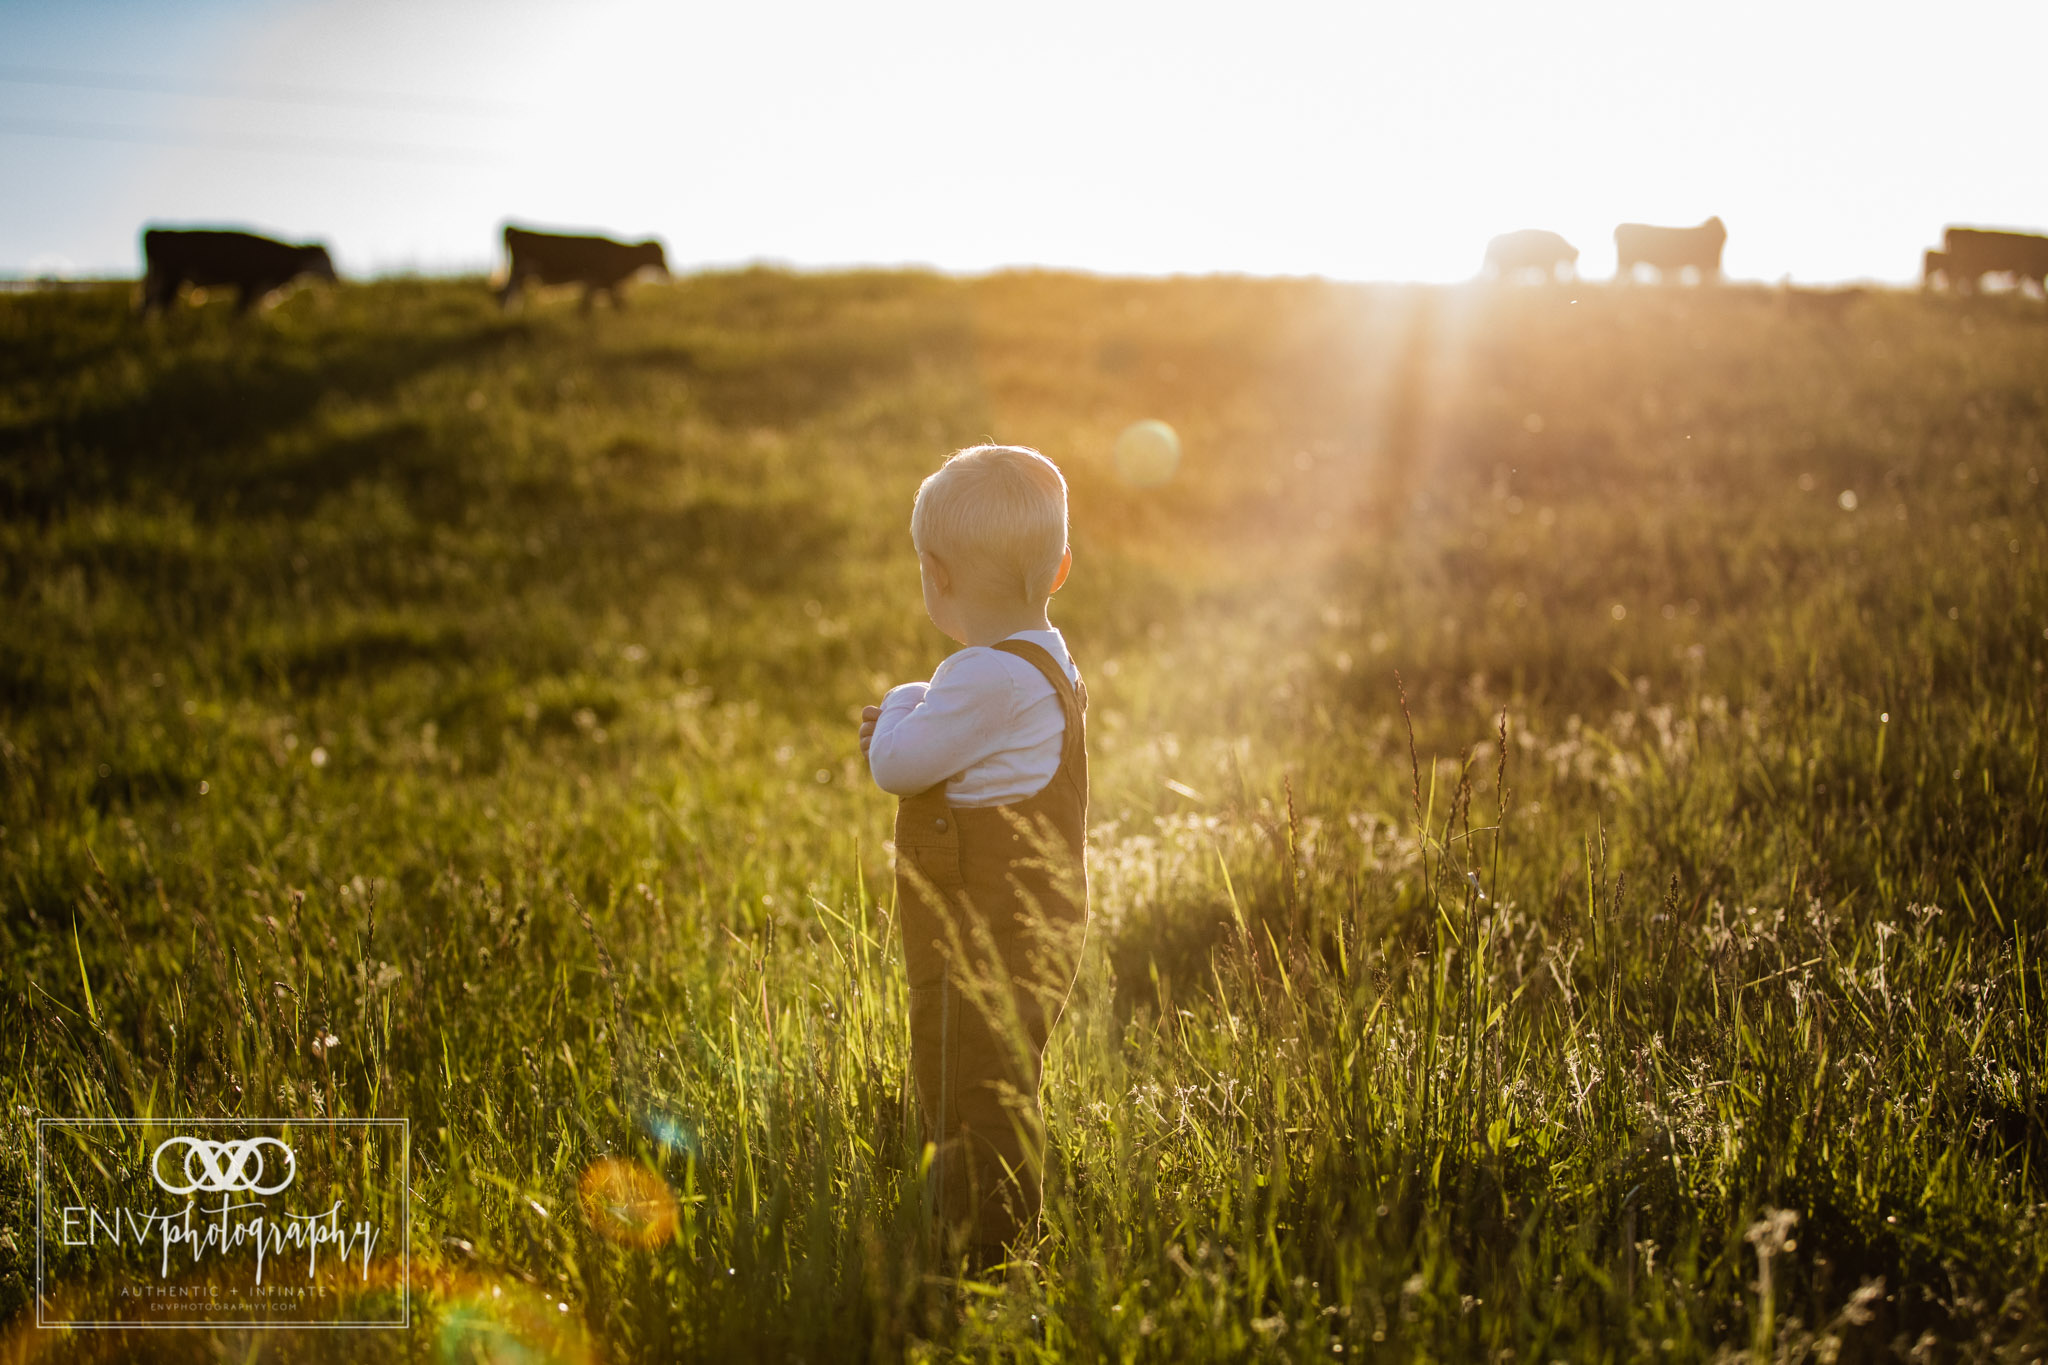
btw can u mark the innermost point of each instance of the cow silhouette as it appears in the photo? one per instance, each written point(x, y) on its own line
point(1530, 251)
point(1969, 254)
point(256, 266)
point(1670, 250)
point(599, 264)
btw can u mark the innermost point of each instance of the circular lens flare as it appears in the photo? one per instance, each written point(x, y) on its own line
point(487, 1322)
point(628, 1203)
point(1147, 453)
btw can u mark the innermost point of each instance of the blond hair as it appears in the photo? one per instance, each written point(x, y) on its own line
point(996, 515)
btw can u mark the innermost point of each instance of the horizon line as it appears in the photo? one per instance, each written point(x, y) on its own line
point(15, 277)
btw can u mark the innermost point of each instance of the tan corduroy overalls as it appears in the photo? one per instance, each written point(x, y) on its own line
point(993, 902)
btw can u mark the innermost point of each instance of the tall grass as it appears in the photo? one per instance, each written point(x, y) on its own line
point(1568, 833)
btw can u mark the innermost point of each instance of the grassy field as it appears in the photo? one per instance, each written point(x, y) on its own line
point(1570, 835)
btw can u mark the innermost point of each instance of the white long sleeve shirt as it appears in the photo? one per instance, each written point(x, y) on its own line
point(988, 725)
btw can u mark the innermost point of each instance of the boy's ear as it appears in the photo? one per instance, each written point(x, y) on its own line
point(1066, 563)
point(935, 570)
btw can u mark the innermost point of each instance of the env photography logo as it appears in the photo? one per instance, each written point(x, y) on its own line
point(224, 1167)
point(260, 1223)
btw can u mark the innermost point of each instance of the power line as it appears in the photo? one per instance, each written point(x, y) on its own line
point(272, 94)
point(232, 142)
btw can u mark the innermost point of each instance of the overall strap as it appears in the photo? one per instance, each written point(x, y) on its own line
point(1073, 697)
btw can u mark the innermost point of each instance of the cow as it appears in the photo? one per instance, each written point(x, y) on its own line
point(1973, 253)
point(1932, 263)
point(599, 264)
point(256, 266)
point(1670, 249)
point(1531, 250)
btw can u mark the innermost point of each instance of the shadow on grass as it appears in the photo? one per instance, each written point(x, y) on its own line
point(27, 679)
point(189, 429)
point(359, 648)
point(771, 380)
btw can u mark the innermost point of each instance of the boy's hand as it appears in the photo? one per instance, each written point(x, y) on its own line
point(868, 715)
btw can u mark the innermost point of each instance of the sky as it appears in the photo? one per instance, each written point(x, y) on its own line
point(1364, 141)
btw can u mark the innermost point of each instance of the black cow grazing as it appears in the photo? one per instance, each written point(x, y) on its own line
point(1531, 250)
point(1671, 250)
point(1973, 253)
point(1933, 263)
point(599, 264)
point(255, 266)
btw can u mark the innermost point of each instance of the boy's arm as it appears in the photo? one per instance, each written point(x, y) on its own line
point(928, 732)
point(871, 716)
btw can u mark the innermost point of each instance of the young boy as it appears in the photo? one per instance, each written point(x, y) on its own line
point(990, 759)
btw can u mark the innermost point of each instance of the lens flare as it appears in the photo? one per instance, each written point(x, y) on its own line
point(672, 1132)
point(1147, 453)
point(628, 1203)
point(488, 1322)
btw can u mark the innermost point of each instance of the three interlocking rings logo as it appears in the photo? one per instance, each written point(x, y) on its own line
point(237, 1167)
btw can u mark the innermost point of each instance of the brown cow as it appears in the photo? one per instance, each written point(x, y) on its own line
point(1530, 251)
point(1671, 250)
point(599, 264)
point(1973, 253)
point(256, 266)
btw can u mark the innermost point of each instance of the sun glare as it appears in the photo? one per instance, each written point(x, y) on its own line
point(1372, 142)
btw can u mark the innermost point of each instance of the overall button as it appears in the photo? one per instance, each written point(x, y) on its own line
point(940, 824)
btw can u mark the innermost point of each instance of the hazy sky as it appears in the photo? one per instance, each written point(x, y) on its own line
point(1363, 141)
